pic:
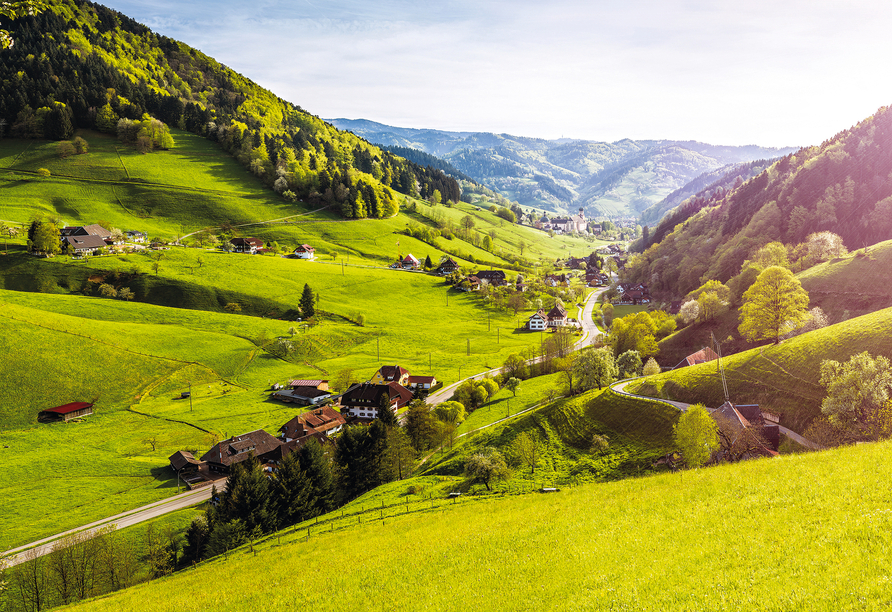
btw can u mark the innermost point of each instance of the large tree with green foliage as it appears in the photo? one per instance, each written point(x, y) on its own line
point(696, 435)
point(485, 466)
point(858, 394)
point(594, 367)
point(773, 306)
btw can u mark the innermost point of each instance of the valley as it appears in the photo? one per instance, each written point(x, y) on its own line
point(242, 343)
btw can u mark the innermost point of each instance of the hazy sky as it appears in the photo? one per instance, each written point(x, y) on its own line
point(773, 72)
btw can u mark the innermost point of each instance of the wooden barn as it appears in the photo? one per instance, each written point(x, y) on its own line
point(65, 413)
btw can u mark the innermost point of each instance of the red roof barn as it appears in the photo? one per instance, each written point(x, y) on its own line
point(67, 412)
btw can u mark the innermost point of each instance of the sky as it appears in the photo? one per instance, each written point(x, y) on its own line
point(767, 72)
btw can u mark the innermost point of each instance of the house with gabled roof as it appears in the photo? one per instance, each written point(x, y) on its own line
point(742, 418)
point(704, 355)
point(388, 373)
point(364, 400)
point(305, 251)
point(83, 243)
point(225, 454)
point(557, 316)
point(538, 322)
point(65, 413)
point(321, 422)
point(447, 267)
point(183, 462)
point(410, 262)
point(421, 382)
point(246, 245)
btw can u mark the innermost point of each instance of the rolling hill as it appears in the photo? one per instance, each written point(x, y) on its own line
point(802, 531)
point(606, 179)
point(842, 185)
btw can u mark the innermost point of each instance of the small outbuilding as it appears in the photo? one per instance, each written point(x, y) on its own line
point(65, 413)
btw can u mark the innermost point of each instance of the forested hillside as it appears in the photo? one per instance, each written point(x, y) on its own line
point(843, 185)
point(619, 178)
point(82, 65)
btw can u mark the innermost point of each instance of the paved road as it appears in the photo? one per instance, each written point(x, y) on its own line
point(125, 519)
point(589, 332)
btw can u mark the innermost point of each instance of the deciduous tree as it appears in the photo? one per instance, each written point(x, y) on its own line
point(527, 449)
point(858, 392)
point(775, 305)
point(696, 435)
point(485, 466)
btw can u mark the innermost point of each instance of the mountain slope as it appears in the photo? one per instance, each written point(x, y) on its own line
point(844, 186)
point(620, 178)
point(81, 65)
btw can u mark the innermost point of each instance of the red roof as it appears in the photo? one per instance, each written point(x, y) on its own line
point(67, 408)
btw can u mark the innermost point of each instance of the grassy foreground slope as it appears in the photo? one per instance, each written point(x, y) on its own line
point(798, 532)
point(782, 378)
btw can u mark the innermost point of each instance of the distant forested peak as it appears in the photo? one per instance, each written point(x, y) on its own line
point(83, 65)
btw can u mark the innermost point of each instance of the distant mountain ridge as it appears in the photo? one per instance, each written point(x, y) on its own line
point(623, 178)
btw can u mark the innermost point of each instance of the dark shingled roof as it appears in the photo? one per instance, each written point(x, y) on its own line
point(238, 448)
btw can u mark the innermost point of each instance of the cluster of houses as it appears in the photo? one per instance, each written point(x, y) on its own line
point(633, 293)
point(254, 246)
point(88, 239)
point(575, 224)
point(392, 388)
point(553, 319)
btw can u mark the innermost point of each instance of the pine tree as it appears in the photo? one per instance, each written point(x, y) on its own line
point(307, 303)
point(291, 492)
point(316, 466)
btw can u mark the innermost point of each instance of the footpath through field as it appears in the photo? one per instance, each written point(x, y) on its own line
point(42, 547)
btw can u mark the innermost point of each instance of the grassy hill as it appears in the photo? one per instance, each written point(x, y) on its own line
point(794, 532)
point(135, 357)
point(783, 379)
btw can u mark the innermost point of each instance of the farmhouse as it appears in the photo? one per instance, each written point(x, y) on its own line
point(84, 244)
point(363, 401)
point(236, 449)
point(702, 356)
point(410, 262)
point(496, 278)
point(305, 251)
point(538, 322)
point(422, 382)
point(557, 316)
point(471, 283)
point(135, 236)
point(748, 417)
point(182, 462)
point(447, 267)
point(246, 245)
point(392, 373)
point(318, 423)
point(65, 412)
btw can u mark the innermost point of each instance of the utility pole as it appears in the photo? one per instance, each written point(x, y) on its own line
point(430, 362)
point(190, 397)
point(379, 348)
point(469, 347)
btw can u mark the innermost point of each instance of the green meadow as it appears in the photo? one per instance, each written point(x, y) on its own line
point(135, 358)
point(770, 534)
point(782, 379)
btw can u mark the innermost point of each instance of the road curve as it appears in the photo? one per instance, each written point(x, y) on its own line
point(589, 331)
